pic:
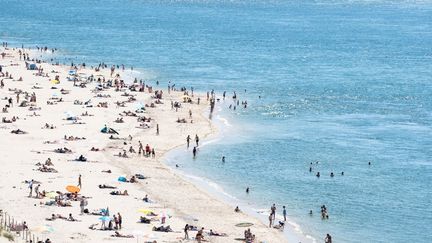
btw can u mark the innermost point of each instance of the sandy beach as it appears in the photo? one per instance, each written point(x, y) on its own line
point(65, 123)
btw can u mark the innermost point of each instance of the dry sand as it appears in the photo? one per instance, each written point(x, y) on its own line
point(171, 195)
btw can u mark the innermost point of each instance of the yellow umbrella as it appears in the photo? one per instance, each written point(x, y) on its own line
point(145, 211)
point(72, 189)
point(51, 195)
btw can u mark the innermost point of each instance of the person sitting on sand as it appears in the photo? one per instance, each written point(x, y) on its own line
point(81, 158)
point(94, 149)
point(280, 226)
point(48, 162)
point(146, 199)
point(237, 209)
point(71, 218)
point(131, 150)
point(200, 235)
point(133, 180)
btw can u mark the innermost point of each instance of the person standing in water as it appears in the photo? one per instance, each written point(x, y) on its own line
point(328, 239)
point(223, 159)
point(194, 151)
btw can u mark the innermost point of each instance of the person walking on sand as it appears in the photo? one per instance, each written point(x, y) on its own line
point(196, 139)
point(37, 190)
point(119, 220)
point(157, 129)
point(188, 138)
point(31, 188)
point(284, 213)
point(140, 148)
point(273, 211)
point(116, 222)
point(186, 228)
point(79, 182)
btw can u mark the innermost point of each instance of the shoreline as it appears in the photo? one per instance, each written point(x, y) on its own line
point(292, 230)
point(208, 213)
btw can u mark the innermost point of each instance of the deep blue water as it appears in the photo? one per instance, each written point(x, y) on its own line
point(342, 82)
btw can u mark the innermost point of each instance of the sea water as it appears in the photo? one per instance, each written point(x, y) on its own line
point(343, 83)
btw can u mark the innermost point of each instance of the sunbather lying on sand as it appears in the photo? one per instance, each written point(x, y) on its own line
point(18, 131)
point(162, 228)
point(117, 234)
point(214, 233)
point(44, 168)
point(103, 186)
point(55, 216)
point(119, 193)
point(73, 138)
point(48, 126)
point(62, 150)
point(144, 220)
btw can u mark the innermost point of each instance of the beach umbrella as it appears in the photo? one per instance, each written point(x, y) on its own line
point(105, 218)
point(145, 211)
point(122, 179)
point(139, 105)
point(69, 114)
point(244, 224)
point(51, 195)
point(72, 189)
point(44, 229)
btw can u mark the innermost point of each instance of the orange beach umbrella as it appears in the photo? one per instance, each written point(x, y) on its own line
point(72, 189)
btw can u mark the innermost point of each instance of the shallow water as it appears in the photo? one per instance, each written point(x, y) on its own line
point(342, 83)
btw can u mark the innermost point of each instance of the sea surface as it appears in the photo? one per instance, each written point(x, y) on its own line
point(343, 83)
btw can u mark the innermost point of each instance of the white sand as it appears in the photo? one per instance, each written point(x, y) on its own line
point(170, 194)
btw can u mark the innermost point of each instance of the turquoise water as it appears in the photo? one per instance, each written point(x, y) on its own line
point(342, 82)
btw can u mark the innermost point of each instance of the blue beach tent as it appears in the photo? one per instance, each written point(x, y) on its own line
point(32, 66)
